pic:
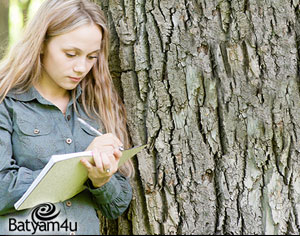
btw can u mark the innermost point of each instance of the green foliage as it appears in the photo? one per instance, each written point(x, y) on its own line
point(16, 17)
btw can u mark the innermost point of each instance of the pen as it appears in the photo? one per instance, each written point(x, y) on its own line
point(88, 126)
point(93, 129)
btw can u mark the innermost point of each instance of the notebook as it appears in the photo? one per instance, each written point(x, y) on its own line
point(62, 178)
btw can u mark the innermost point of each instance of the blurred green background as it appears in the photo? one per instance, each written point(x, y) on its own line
point(17, 17)
point(13, 16)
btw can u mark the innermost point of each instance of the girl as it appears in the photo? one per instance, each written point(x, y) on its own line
point(57, 72)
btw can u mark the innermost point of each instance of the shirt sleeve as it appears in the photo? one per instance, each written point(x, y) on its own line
point(114, 197)
point(14, 179)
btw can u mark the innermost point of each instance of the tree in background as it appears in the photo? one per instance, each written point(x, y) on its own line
point(24, 6)
point(17, 13)
point(4, 26)
point(213, 87)
point(8, 21)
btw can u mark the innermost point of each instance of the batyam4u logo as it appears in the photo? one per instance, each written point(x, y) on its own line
point(42, 220)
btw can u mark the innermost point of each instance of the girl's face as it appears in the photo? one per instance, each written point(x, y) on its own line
point(67, 58)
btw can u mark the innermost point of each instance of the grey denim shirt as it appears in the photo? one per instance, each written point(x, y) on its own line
point(31, 130)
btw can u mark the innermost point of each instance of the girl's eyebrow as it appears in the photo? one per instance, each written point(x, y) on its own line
point(79, 50)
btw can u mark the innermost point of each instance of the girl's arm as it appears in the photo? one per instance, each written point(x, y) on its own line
point(113, 198)
point(14, 179)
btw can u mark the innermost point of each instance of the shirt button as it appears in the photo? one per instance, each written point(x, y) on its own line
point(68, 117)
point(69, 203)
point(68, 141)
point(36, 131)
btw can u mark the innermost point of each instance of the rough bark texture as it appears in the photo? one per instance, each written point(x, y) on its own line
point(213, 87)
point(4, 32)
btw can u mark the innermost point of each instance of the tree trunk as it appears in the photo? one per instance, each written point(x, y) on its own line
point(4, 32)
point(213, 87)
point(24, 6)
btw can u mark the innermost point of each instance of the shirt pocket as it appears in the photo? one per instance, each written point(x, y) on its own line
point(88, 130)
point(33, 129)
point(86, 134)
point(34, 139)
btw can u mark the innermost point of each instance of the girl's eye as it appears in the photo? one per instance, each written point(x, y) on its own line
point(93, 57)
point(70, 55)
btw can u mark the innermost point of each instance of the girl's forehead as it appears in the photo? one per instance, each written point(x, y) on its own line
point(84, 38)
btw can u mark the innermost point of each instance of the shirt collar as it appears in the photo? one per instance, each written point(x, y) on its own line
point(32, 94)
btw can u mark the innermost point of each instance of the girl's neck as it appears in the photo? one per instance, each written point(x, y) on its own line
point(59, 96)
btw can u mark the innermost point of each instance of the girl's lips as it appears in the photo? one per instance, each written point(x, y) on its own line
point(75, 79)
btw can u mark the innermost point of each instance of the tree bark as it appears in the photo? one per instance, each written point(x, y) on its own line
point(4, 28)
point(213, 87)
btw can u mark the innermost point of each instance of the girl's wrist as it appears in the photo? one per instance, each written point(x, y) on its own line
point(100, 182)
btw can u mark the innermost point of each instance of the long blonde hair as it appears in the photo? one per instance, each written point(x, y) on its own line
point(21, 67)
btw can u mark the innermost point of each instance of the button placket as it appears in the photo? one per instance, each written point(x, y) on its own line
point(64, 132)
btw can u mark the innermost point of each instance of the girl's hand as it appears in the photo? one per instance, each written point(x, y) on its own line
point(106, 156)
point(103, 142)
